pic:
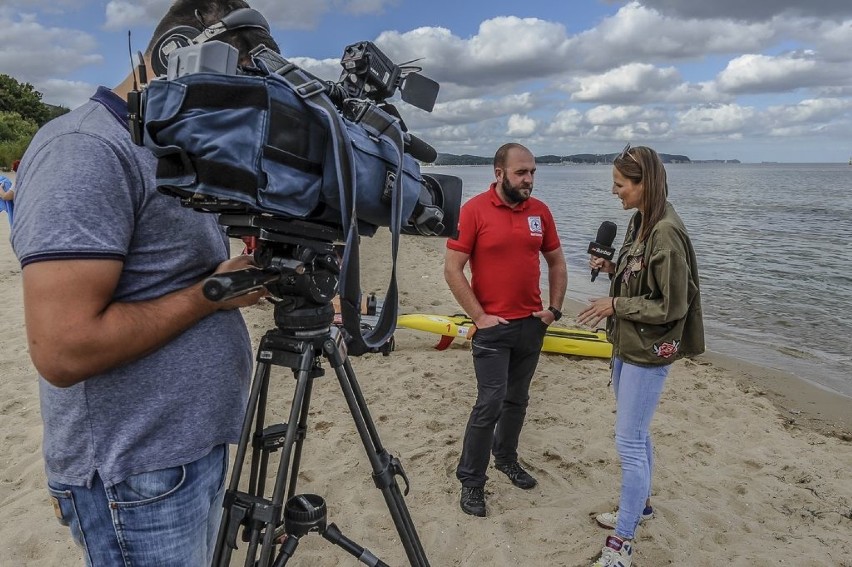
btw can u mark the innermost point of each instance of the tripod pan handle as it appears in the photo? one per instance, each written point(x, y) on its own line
point(228, 285)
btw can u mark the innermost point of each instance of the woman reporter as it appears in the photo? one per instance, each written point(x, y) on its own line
point(653, 319)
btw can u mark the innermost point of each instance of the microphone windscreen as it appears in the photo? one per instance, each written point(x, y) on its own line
point(422, 151)
point(606, 233)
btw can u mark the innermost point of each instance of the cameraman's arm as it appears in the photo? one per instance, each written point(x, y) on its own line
point(75, 330)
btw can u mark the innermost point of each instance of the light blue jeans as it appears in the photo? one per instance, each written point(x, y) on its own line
point(637, 393)
point(159, 518)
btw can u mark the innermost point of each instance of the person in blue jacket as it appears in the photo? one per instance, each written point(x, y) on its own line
point(7, 197)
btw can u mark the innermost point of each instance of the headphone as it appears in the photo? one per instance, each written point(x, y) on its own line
point(184, 36)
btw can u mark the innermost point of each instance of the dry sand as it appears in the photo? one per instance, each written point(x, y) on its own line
point(753, 467)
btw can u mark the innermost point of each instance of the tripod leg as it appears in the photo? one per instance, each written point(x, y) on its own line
point(385, 467)
point(297, 408)
point(227, 527)
point(297, 447)
point(335, 536)
point(259, 458)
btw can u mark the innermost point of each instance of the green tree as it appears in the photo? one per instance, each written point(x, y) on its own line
point(23, 99)
point(54, 111)
point(16, 132)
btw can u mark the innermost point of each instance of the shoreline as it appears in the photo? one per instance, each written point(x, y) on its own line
point(800, 402)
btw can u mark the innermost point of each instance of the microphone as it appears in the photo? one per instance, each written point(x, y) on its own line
point(417, 148)
point(602, 245)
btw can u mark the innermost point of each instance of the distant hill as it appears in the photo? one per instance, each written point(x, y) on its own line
point(465, 159)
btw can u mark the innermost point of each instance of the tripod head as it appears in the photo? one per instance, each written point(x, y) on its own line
point(297, 263)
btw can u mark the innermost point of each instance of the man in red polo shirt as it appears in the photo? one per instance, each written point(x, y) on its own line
point(501, 233)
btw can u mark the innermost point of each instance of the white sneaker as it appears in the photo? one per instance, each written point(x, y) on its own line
point(616, 553)
point(610, 519)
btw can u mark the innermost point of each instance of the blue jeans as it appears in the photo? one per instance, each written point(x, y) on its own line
point(159, 518)
point(637, 393)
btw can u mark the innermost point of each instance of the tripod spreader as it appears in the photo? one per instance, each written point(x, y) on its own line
point(391, 468)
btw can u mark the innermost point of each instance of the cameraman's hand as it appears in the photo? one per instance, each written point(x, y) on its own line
point(247, 299)
point(236, 263)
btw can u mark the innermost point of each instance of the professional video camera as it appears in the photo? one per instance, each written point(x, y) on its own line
point(269, 144)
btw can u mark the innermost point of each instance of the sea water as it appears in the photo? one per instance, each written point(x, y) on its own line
point(774, 247)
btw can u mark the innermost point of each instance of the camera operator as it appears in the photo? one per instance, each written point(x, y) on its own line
point(143, 381)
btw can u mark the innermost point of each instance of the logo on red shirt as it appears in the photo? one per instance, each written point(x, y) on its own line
point(535, 226)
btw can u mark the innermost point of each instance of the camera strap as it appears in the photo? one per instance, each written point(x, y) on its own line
point(314, 93)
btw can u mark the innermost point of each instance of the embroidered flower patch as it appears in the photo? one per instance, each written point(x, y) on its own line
point(667, 350)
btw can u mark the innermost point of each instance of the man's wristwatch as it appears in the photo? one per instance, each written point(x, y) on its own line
point(557, 314)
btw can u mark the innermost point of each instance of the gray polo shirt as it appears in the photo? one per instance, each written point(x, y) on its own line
point(85, 191)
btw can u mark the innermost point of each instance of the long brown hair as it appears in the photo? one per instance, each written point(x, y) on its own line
point(642, 165)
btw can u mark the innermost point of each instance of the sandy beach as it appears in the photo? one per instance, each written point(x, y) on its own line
point(752, 466)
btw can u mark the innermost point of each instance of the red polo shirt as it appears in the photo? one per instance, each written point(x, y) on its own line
point(504, 246)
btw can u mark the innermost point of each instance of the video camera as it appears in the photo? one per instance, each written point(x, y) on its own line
point(283, 150)
point(296, 165)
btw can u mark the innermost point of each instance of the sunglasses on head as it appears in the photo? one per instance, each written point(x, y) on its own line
point(626, 153)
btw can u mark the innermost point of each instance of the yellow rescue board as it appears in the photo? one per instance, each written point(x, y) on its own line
point(560, 340)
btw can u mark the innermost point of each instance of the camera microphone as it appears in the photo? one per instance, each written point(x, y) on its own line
point(602, 245)
point(417, 148)
point(420, 150)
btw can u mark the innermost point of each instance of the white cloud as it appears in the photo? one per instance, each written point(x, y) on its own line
point(635, 82)
point(637, 33)
point(566, 122)
point(817, 111)
point(121, 14)
point(622, 115)
point(50, 52)
point(285, 14)
point(762, 73)
point(368, 6)
point(477, 110)
point(69, 94)
point(325, 69)
point(752, 9)
point(536, 49)
point(724, 119)
point(520, 126)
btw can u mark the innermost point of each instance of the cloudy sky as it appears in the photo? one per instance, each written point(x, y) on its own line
point(755, 80)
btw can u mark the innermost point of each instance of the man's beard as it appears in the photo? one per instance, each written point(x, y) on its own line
point(512, 193)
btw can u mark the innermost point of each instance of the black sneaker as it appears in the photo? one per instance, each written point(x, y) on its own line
point(518, 476)
point(473, 500)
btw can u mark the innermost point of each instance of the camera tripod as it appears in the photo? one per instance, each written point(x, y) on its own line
point(299, 340)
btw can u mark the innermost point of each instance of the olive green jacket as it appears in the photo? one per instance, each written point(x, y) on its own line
point(658, 315)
